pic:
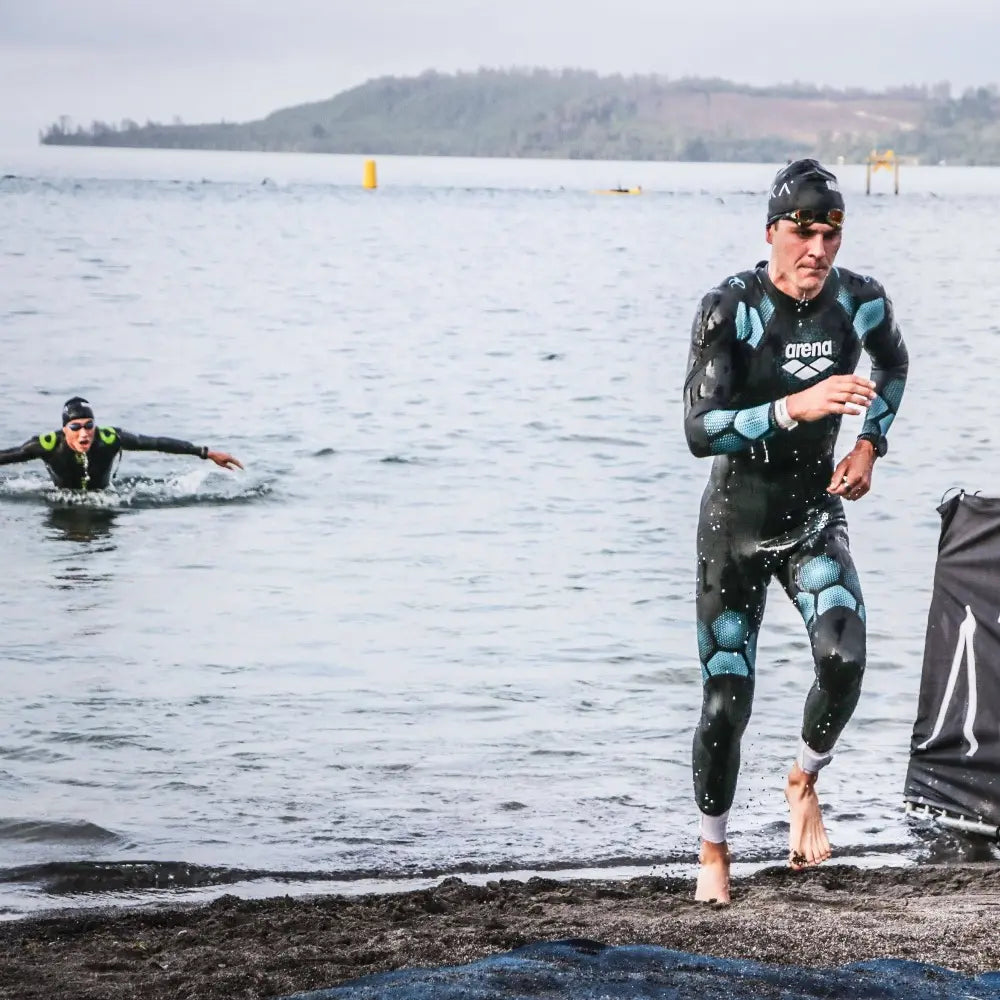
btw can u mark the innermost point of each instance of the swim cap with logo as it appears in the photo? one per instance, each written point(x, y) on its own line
point(76, 408)
point(803, 184)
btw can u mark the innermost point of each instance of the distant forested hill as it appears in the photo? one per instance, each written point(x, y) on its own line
point(581, 115)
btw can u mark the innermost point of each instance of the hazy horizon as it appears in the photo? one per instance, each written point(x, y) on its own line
point(222, 60)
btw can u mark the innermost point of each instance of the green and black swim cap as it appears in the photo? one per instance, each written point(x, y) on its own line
point(806, 186)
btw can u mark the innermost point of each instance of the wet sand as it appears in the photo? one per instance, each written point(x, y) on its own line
point(946, 915)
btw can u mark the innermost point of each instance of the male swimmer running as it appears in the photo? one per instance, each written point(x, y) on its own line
point(82, 455)
point(770, 375)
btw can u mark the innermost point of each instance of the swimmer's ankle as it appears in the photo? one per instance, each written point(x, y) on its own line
point(713, 853)
point(799, 779)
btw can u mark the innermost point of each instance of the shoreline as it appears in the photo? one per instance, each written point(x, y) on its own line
point(82, 893)
point(940, 914)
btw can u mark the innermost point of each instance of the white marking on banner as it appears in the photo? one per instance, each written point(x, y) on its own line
point(966, 632)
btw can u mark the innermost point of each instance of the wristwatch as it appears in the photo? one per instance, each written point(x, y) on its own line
point(879, 442)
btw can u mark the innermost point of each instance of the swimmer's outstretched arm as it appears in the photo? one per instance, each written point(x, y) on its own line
point(31, 449)
point(174, 446)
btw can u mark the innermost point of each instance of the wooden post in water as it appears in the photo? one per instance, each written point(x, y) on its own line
point(879, 161)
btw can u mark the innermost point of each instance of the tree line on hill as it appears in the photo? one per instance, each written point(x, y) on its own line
point(578, 114)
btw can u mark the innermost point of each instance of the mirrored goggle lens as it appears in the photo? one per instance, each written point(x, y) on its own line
point(808, 217)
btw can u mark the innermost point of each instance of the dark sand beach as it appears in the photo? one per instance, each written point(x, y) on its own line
point(945, 915)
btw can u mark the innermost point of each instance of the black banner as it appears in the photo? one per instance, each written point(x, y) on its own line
point(955, 748)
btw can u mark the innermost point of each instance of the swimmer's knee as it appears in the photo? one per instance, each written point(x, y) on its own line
point(839, 651)
point(727, 701)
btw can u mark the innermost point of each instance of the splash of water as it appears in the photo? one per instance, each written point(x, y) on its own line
point(198, 486)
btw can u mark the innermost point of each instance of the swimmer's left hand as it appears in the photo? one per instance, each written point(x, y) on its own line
point(224, 461)
point(852, 478)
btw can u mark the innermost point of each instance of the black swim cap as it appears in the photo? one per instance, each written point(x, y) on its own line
point(75, 408)
point(803, 184)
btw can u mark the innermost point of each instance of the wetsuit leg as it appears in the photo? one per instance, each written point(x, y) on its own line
point(821, 579)
point(731, 593)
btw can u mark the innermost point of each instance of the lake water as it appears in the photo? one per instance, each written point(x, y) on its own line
point(443, 622)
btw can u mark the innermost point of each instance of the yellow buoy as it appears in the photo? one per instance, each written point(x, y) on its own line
point(369, 179)
point(620, 190)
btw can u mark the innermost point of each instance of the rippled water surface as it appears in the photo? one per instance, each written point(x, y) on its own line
point(443, 622)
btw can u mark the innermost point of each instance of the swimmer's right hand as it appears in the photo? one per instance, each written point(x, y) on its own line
point(834, 395)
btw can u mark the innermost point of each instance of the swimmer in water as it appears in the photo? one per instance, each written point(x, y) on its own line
point(81, 456)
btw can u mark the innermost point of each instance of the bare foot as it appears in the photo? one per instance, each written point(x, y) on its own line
point(713, 873)
point(807, 840)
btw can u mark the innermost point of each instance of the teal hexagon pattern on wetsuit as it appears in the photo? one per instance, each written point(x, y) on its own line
point(727, 645)
point(826, 584)
point(733, 430)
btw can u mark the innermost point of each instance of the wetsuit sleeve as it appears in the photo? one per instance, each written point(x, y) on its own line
point(712, 425)
point(24, 453)
point(172, 446)
point(890, 363)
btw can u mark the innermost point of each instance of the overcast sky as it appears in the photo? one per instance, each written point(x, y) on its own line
point(208, 60)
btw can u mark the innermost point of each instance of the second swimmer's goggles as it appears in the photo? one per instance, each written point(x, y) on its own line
point(804, 217)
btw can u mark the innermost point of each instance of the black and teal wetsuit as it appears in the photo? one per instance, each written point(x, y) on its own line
point(765, 511)
point(75, 470)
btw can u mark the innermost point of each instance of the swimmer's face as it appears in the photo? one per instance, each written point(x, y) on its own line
point(80, 433)
point(802, 256)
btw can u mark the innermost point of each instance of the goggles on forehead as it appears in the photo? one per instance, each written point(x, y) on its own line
point(803, 217)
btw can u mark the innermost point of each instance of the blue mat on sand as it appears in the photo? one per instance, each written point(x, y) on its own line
point(587, 970)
